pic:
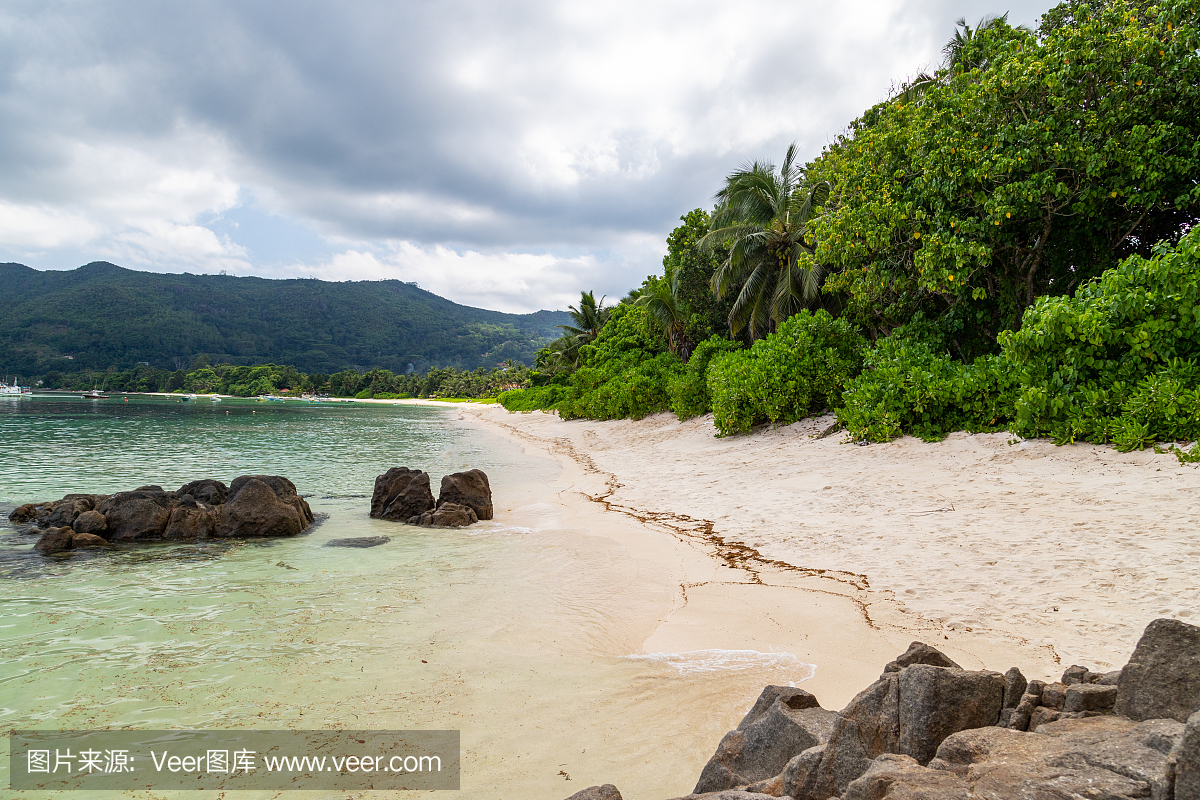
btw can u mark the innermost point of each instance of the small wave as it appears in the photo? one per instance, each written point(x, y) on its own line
point(698, 661)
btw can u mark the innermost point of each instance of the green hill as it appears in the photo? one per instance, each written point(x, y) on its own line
point(101, 316)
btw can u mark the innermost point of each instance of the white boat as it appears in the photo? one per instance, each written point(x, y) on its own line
point(13, 390)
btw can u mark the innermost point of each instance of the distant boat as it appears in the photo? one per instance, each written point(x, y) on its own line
point(94, 395)
point(13, 390)
point(187, 397)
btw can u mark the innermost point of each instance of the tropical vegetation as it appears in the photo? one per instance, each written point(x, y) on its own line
point(1005, 243)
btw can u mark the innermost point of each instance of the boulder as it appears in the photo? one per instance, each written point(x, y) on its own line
point(1162, 678)
point(920, 653)
point(55, 540)
point(1089, 697)
point(1075, 674)
point(140, 514)
point(206, 491)
point(262, 505)
point(1014, 687)
point(1053, 696)
point(471, 489)
point(868, 727)
point(900, 777)
point(1109, 757)
point(937, 701)
point(92, 522)
point(1186, 755)
point(83, 541)
point(605, 792)
point(767, 739)
point(359, 541)
point(25, 514)
point(401, 493)
point(451, 515)
point(63, 513)
point(190, 520)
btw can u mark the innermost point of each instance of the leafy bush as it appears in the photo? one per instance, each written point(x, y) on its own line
point(534, 398)
point(689, 391)
point(907, 387)
point(623, 373)
point(801, 368)
point(1118, 362)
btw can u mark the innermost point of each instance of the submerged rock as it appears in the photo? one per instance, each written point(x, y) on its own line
point(359, 541)
point(253, 505)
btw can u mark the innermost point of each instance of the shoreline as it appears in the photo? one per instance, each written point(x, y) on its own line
point(781, 541)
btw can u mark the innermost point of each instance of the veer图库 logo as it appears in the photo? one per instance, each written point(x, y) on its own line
point(233, 760)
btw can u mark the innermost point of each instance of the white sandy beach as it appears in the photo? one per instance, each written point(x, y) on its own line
point(1001, 554)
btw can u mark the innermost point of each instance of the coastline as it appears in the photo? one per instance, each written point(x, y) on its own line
point(1000, 554)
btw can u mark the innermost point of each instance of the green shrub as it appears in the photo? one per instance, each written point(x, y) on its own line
point(535, 398)
point(689, 391)
point(801, 368)
point(623, 373)
point(1116, 362)
point(907, 387)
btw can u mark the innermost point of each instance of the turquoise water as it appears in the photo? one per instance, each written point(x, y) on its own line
point(518, 631)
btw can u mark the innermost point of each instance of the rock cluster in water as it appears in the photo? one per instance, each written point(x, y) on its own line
point(404, 495)
point(251, 506)
point(928, 729)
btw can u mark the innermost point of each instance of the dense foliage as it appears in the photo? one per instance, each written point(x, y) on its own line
point(689, 390)
point(1118, 361)
point(624, 373)
point(102, 316)
point(801, 368)
point(1024, 177)
point(909, 387)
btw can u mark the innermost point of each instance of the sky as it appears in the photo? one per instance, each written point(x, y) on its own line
point(504, 155)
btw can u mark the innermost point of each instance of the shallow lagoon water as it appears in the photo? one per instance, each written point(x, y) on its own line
point(523, 634)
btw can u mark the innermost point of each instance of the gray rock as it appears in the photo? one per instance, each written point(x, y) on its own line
point(140, 514)
point(936, 702)
point(867, 727)
point(471, 489)
point(920, 653)
point(63, 513)
point(401, 493)
point(1110, 678)
point(206, 491)
point(1162, 678)
point(1186, 755)
point(893, 776)
point(1106, 756)
point(1053, 696)
point(1014, 687)
point(55, 540)
point(91, 522)
point(795, 698)
point(762, 748)
point(262, 505)
point(370, 541)
point(728, 794)
point(799, 777)
point(605, 792)
point(1042, 715)
point(1089, 697)
point(1075, 674)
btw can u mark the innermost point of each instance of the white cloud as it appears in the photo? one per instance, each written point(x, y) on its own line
point(501, 154)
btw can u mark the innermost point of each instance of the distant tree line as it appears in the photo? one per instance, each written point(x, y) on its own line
point(274, 379)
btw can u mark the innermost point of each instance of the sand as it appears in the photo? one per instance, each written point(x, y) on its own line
point(999, 553)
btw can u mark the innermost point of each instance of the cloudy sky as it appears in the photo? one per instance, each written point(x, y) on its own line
point(502, 154)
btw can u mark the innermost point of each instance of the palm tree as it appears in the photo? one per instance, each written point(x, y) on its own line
point(762, 215)
point(589, 318)
point(953, 53)
point(661, 301)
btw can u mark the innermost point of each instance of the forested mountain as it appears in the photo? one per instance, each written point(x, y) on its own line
point(100, 316)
